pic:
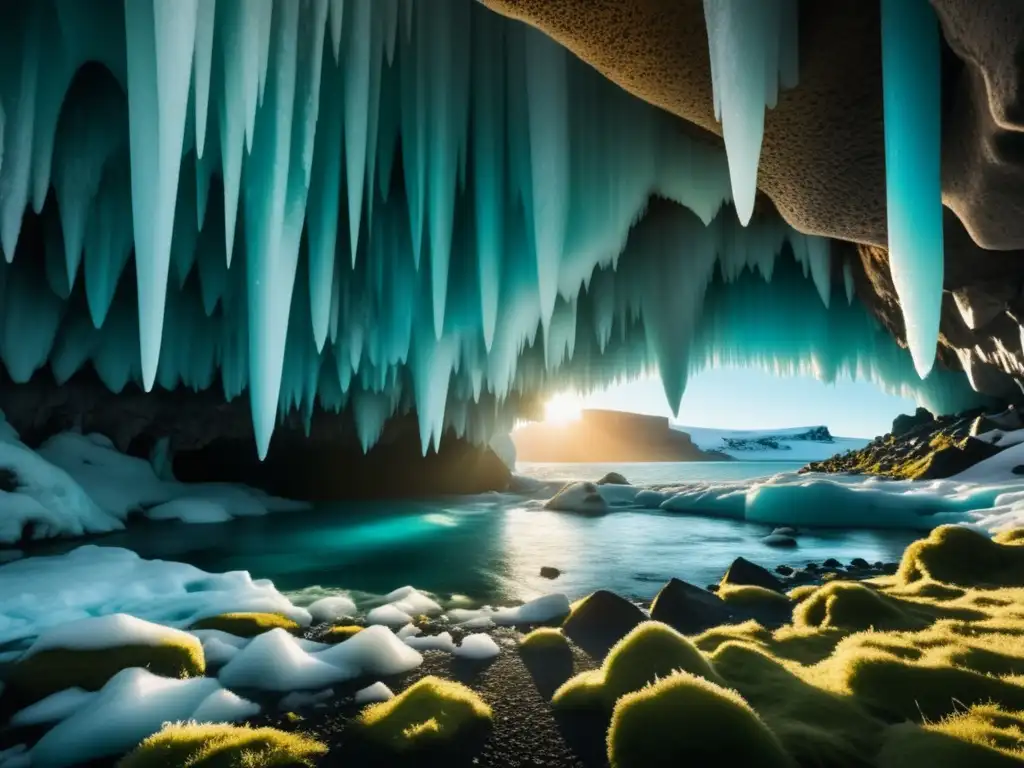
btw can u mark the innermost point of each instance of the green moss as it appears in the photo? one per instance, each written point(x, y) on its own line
point(956, 555)
point(753, 598)
point(248, 624)
point(341, 633)
point(191, 745)
point(651, 651)
point(431, 711)
point(799, 593)
point(1013, 537)
point(851, 605)
point(41, 674)
point(687, 720)
point(982, 737)
point(544, 639)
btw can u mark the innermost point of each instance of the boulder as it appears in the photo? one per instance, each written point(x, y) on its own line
point(689, 609)
point(859, 562)
point(613, 478)
point(778, 540)
point(742, 571)
point(1018, 470)
point(905, 422)
point(785, 530)
point(784, 570)
point(952, 459)
point(549, 572)
point(832, 563)
point(600, 620)
point(583, 498)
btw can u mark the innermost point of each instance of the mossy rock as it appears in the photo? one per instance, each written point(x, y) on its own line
point(956, 555)
point(220, 745)
point(544, 639)
point(248, 624)
point(651, 651)
point(1013, 537)
point(37, 676)
point(851, 605)
point(684, 719)
point(600, 620)
point(341, 633)
point(766, 604)
point(431, 712)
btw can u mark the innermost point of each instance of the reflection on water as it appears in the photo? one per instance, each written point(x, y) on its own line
point(489, 547)
point(658, 472)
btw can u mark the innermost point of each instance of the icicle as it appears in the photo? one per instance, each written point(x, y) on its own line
point(911, 79)
point(206, 15)
point(848, 280)
point(357, 99)
point(337, 16)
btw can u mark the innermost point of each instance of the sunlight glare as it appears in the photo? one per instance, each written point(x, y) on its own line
point(563, 408)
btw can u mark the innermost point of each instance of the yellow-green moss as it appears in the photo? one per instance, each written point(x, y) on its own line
point(799, 593)
point(1012, 537)
point(650, 651)
point(753, 598)
point(248, 624)
point(850, 605)
point(684, 719)
point(430, 711)
point(982, 737)
point(41, 674)
point(956, 555)
point(544, 639)
point(341, 633)
point(192, 745)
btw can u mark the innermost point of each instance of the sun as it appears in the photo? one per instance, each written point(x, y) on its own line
point(563, 408)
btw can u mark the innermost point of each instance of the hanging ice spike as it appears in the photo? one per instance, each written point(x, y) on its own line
point(911, 79)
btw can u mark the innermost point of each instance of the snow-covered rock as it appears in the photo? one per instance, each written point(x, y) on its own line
point(374, 651)
point(582, 498)
point(274, 661)
point(542, 609)
point(332, 608)
point(372, 694)
point(302, 700)
point(441, 642)
point(55, 707)
point(788, 444)
point(224, 706)
point(110, 631)
point(411, 601)
point(389, 616)
point(478, 647)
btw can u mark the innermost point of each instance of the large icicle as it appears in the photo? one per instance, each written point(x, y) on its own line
point(752, 47)
point(911, 79)
point(160, 36)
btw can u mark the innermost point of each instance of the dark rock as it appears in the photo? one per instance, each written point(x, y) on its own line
point(9, 481)
point(778, 540)
point(613, 478)
point(812, 567)
point(1018, 470)
point(832, 563)
point(981, 425)
point(953, 459)
point(600, 621)
point(801, 577)
point(878, 564)
point(689, 609)
point(549, 572)
point(784, 570)
point(711, 588)
point(890, 568)
point(905, 422)
point(859, 562)
point(742, 571)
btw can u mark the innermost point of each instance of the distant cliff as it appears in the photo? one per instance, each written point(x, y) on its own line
point(787, 444)
point(607, 436)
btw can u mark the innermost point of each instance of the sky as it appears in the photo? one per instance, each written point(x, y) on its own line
point(747, 398)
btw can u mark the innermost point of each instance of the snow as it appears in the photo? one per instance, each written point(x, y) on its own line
point(441, 642)
point(480, 622)
point(302, 700)
point(223, 706)
point(274, 661)
point(389, 616)
point(110, 631)
point(132, 705)
point(218, 653)
point(374, 651)
point(583, 498)
point(372, 694)
point(537, 611)
point(785, 444)
point(189, 510)
point(477, 647)
point(38, 593)
point(15, 757)
point(409, 630)
point(57, 706)
point(332, 608)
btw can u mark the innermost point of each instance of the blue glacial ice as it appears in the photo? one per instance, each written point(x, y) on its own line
point(334, 205)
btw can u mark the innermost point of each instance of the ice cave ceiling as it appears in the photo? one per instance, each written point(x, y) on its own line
point(385, 206)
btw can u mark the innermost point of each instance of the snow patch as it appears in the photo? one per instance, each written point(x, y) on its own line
point(332, 608)
point(274, 661)
point(477, 647)
point(542, 609)
point(373, 694)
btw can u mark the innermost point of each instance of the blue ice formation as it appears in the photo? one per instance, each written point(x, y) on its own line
point(911, 79)
point(383, 206)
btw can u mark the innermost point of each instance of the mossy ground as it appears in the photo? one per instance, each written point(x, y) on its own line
point(191, 745)
point(753, 598)
point(925, 667)
point(248, 624)
point(430, 712)
point(544, 639)
point(41, 674)
point(341, 633)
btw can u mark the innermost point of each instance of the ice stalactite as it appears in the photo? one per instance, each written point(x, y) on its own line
point(754, 51)
point(911, 79)
point(387, 206)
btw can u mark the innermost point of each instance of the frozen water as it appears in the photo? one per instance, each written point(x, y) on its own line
point(478, 647)
point(57, 706)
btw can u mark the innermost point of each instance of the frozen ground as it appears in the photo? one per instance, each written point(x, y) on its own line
point(804, 444)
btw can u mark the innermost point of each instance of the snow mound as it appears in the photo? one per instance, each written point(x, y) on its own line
point(303, 700)
point(374, 651)
point(583, 498)
point(411, 601)
point(37, 593)
point(274, 661)
point(223, 706)
point(218, 653)
point(546, 608)
point(409, 630)
point(331, 608)
point(132, 705)
point(478, 647)
point(190, 510)
point(787, 444)
point(55, 707)
point(441, 642)
point(111, 631)
point(373, 694)
point(389, 616)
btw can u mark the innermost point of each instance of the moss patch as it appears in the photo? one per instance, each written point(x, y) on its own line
point(432, 711)
point(651, 651)
point(685, 719)
point(851, 605)
point(41, 674)
point(753, 598)
point(982, 737)
point(341, 633)
point(544, 639)
point(248, 624)
point(192, 745)
point(956, 555)
point(1013, 537)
